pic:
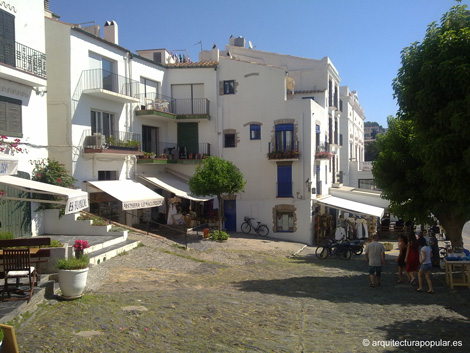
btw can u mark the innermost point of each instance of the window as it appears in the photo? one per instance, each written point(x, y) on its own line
point(103, 123)
point(11, 117)
point(284, 221)
point(284, 181)
point(229, 140)
point(229, 87)
point(284, 137)
point(107, 175)
point(255, 132)
point(7, 38)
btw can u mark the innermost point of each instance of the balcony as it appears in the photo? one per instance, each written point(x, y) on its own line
point(117, 142)
point(160, 107)
point(323, 152)
point(107, 85)
point(169, 152)
point(288, 151)
point(22, 64)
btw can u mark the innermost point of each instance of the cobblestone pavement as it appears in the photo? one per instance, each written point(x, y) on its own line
point(245, 295)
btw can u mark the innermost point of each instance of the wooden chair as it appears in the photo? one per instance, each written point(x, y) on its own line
point(17, 265)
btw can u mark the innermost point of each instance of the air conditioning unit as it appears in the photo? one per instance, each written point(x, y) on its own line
point(96, 141)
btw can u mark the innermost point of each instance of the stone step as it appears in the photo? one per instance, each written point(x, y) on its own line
point(107, 252)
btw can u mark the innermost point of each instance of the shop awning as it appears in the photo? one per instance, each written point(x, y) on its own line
point(175, 185)
point(132, 194)
point(352, 206)
point(74, 200)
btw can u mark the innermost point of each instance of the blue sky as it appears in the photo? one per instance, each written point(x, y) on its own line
point(363, 38)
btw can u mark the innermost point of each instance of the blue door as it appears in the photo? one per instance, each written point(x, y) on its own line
point(230, 213)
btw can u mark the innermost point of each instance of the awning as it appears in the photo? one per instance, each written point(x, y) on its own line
point(132, 194)
point(175, 185)
point(74, 200)
point(352, 206)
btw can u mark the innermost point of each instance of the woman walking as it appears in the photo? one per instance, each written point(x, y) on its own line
point(402, 247)
point(412, 258)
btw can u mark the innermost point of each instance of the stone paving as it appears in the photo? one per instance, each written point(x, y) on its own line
point(247, 294)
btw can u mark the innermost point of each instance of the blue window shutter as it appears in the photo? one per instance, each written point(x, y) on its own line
point(284, 181)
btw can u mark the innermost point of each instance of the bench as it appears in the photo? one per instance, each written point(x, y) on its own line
point(38, 256)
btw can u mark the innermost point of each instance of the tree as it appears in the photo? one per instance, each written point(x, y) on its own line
point(424, 162)
point(217, 177)
point(371, 151)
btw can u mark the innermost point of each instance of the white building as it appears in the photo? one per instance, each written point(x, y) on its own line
point(23, 109)
point(95, 86)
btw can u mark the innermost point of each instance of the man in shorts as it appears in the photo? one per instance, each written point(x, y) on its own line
point(375, 257)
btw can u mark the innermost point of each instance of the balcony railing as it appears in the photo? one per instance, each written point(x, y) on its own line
point(174, 151)
point(111, 140)
point(190, 106)
point(24, 58)
point(288, 150)
point(107, 80)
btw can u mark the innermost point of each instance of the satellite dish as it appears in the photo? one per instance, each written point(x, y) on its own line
point(250, 45)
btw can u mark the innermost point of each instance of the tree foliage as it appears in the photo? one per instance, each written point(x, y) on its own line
point(217, 177)
point(371, 151)
point(424, 161)
point(54, 173)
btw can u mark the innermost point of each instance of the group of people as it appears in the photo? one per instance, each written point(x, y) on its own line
point(415, 259)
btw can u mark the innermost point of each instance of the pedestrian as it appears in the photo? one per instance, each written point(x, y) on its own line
point(402, 247)
point(375, 257)
point(412, 258)
point(425, 266)
point(434, 244)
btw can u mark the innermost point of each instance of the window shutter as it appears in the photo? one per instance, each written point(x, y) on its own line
point(3, 116)
point(235, 87)
point(221, 88)
point(14, 118)
point(7, 35)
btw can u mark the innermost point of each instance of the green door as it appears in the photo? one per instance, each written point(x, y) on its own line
point(188, 137)
point(15, 216)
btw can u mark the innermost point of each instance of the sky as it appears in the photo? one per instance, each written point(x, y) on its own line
point(363, 38)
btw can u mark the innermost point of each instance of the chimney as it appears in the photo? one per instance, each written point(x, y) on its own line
point(215, 53)
point(110, 32)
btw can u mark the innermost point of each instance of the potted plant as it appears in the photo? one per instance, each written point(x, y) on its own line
point(73, 272)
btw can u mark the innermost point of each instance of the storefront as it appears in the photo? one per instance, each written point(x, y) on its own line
point(340, 218)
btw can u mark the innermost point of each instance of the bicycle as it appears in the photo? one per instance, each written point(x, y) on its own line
point(341, 250)
point(260, 229)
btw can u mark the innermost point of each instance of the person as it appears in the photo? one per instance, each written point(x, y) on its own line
point(412, 258)
point(434, 244)
point(425, 266)
point(402, 246)
point(375, 257)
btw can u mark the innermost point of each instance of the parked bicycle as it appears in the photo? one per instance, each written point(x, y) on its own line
point(260, 229)
point(332, 248)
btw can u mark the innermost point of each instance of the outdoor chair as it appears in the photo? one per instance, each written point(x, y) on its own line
point(17, 265)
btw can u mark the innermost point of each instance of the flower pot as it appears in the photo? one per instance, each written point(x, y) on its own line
point(72, 282)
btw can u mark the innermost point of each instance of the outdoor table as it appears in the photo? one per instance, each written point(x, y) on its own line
point(461, 277)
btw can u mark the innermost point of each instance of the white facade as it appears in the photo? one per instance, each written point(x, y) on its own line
point(23, 99)
point(355, 171)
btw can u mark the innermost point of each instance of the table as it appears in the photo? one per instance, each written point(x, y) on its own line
point(457, 273)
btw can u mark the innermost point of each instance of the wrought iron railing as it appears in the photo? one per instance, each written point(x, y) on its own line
point(173, 150)
point(111, 140)
point(288, 150)
point(23, 57)
point(107, 80)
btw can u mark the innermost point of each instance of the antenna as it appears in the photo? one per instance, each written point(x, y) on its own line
point(200, 42)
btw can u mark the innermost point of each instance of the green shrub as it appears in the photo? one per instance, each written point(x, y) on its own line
point(56, 244)
point(73, 263)
point(1, 334)
point(219, 235)
point(6, 235)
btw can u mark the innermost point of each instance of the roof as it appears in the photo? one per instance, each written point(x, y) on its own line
point(202, 64)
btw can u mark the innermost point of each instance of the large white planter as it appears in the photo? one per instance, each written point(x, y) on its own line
point(72, 282)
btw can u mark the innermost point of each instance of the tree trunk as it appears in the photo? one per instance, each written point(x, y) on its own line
point(453, 227)
point(220, 212)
